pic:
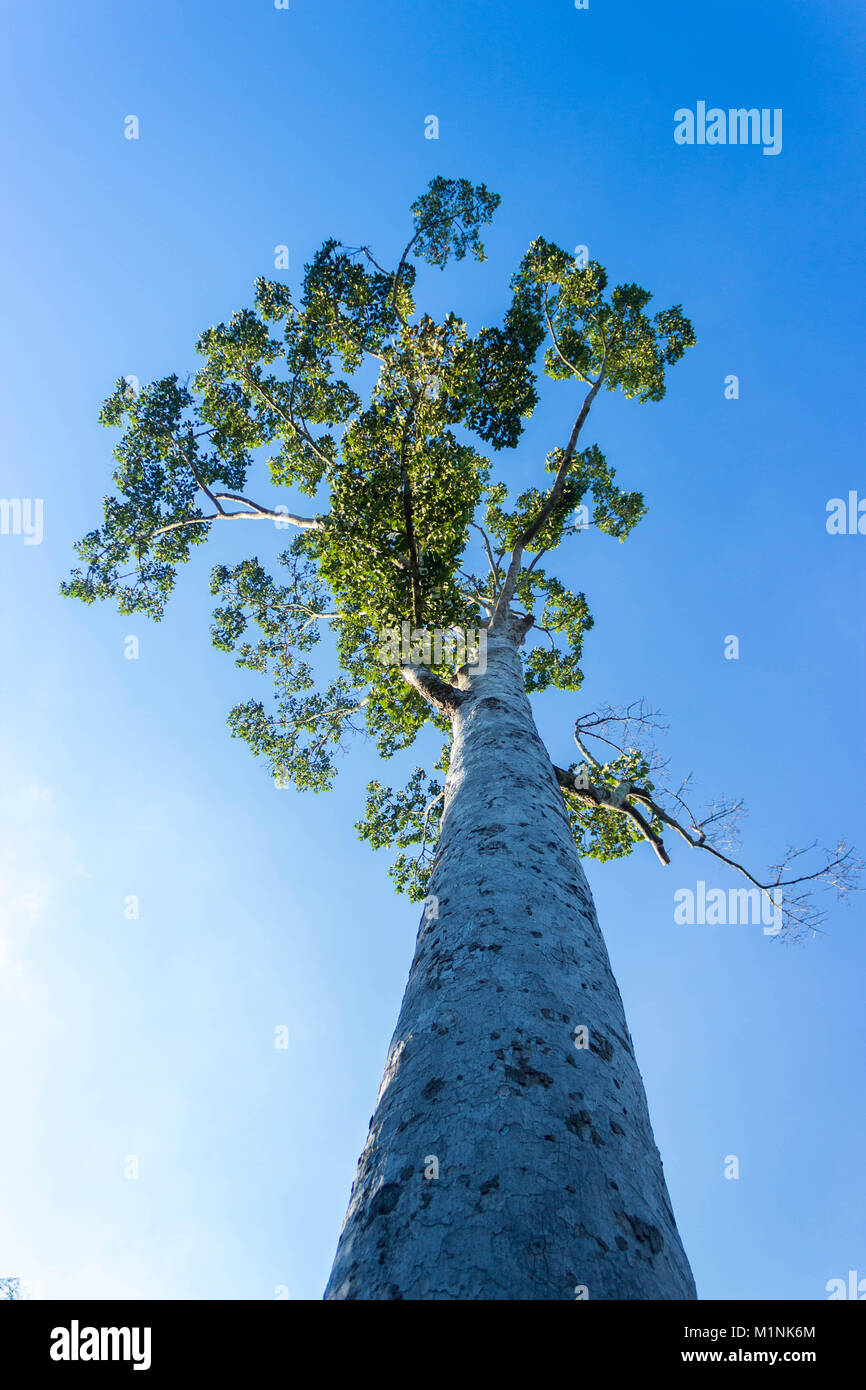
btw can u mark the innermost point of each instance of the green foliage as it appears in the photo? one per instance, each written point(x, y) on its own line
point(614, 511)
point(590, 330)
point(404, 819)
point(301, 735)
point(563, 612)
point(602, 833)
point(158, 458)
point(448, 217)
point(399, 480)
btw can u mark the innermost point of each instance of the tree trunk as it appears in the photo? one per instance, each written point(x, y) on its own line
point(505, 1160)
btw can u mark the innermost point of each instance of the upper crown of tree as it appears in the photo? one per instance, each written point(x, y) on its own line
point(406, 500)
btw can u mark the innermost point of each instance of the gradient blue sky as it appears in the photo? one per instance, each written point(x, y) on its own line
point(260, 907)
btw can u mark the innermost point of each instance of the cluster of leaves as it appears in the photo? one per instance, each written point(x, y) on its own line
point(302, 731)
point(405, 819)
point(448, 217)
point(605, 833)
point(590, 332)
point(131, 559)
point(564, 612)
point(557, 609)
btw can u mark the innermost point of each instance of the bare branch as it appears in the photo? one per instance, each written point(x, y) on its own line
point(256, 513)
point(839, 869)
point(494, 568)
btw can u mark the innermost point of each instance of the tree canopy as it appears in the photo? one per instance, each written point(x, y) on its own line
point(409, 521)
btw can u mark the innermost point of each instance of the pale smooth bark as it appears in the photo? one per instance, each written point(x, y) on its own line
point(549, 1184)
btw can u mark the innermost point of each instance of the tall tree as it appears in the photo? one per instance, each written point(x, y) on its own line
point(510, 1154)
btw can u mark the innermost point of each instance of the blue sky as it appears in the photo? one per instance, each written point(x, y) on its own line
point(153, 1037)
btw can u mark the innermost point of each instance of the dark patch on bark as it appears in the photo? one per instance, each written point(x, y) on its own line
point(600, 1046)
point(491, 703)
point(621, 1243)
point(642, 1231)
point(433, 1087)
point(384, 1201)
point(580, 1123)
point(617, 1129)
point(407, 1173)
point(525, 1075)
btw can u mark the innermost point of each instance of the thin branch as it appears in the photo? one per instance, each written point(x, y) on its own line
point(531, 531)
point(494, 569)
point(841, 869)
point(560, 354)
point(427, 809)
point(288, 418)
point(258, 513)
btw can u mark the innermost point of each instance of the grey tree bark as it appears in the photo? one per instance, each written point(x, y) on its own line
point(549, 1183)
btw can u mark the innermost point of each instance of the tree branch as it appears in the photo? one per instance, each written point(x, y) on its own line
point(841, 869)
point(257, 513)
point(443, 697)
point(531, 531)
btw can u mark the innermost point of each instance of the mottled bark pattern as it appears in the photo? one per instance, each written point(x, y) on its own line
point(549, 1177)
